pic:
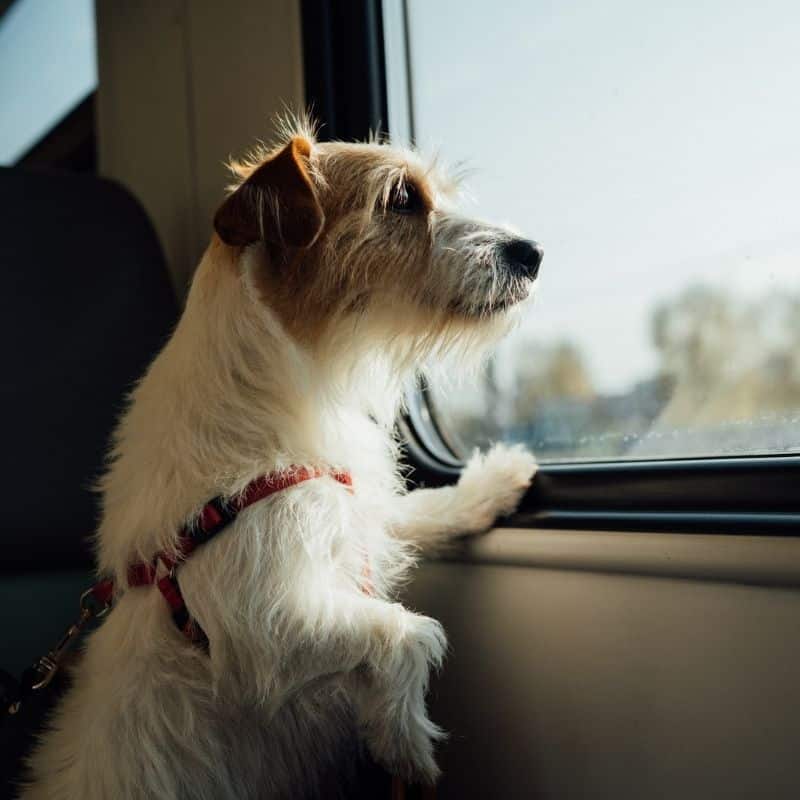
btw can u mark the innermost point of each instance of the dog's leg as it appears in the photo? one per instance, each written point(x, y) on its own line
point(388, 652)
point(491, 486)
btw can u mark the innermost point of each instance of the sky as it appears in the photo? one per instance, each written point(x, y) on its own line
point(47, 66)
point(646, 145)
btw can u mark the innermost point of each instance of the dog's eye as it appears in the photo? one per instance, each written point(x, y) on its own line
point(405, 199)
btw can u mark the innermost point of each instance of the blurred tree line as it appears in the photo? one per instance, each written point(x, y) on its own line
point(727, 380)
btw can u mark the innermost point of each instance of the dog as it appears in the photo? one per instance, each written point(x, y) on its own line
point(336, 271)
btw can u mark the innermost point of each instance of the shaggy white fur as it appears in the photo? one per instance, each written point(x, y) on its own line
point(287, 354)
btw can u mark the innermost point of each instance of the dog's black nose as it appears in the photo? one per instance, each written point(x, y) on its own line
point(523, 257)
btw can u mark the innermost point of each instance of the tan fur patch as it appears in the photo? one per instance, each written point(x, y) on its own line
point(421, 272)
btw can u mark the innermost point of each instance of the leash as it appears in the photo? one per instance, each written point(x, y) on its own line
point(94, 603)
point(97, 600)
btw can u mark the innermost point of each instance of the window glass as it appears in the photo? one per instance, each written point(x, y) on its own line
point(47, 66)
point(654, 150)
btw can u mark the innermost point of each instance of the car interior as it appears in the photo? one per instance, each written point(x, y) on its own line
point(632, 630)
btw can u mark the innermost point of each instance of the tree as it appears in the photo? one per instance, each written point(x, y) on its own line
point(731, 361)
point(550, 372)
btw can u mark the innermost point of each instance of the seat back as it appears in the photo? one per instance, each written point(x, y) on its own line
point(88, 303)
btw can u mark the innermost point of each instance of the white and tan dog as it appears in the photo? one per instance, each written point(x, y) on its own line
point(336, 271)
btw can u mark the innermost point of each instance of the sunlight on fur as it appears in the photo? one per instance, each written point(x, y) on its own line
point(337, 271)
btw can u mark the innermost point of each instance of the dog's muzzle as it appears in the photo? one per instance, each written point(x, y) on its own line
point(518, 261)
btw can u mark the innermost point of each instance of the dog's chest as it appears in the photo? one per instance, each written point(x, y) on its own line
point(364, 547)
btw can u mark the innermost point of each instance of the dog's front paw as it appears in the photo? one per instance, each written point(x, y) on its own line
point(493, 483)
point(424, 644)
point(406, 749)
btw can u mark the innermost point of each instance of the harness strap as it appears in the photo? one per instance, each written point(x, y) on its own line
point(214, 517)
point(96, 601)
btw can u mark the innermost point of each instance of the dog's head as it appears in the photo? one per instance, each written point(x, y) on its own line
point(337, 234)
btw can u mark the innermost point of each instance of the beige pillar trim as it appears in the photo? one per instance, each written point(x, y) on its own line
point(183, 84)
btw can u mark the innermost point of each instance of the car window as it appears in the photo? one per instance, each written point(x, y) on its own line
point(47, 66)
point(653, 151)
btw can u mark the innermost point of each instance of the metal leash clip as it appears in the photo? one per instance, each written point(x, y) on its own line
point(94, 603)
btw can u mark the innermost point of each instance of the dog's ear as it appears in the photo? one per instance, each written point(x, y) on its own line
point(277, 203)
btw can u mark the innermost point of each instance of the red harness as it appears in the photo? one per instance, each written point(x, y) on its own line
point(215, 516)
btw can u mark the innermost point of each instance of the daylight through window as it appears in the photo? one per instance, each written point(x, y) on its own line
point(653, 151)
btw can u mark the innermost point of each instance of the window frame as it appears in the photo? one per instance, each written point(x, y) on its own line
point(71, 144)
point(755, 495)
point(345, 67)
